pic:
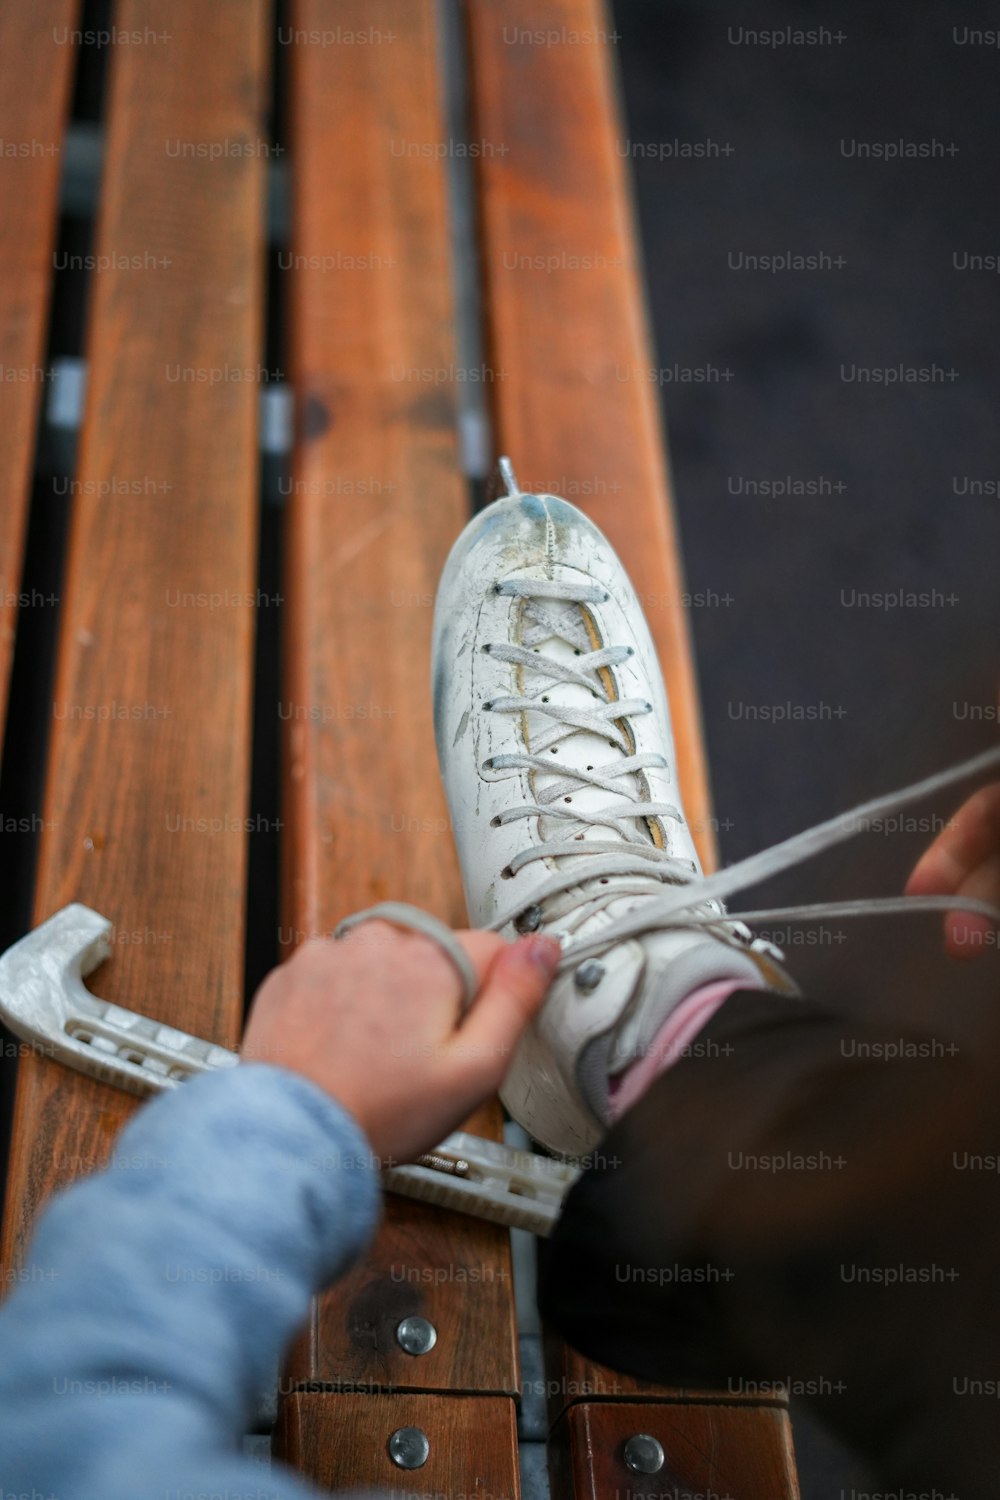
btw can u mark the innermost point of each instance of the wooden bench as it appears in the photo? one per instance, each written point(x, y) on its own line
point(145, 815)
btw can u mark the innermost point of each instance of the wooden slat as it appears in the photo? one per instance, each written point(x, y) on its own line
point(378, 497)
point(572, 1377)
point(35, 72)
point(377, 501)
point(180, 187)
point(341, 1442)
point(565, 308)
point(568, 331)
point(742, 1452)
point(452, 1270)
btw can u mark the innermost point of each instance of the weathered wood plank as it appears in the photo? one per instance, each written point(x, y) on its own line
point(377, 497)
point(455, 1272)
point(741, 1452)
point(577, 408)
point(572, 1376)
point(377, 500)
point(342, 1442)
point(147, 785)
point(35, 73)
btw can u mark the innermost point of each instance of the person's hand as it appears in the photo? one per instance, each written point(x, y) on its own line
point(373, 1019)
point(965, 859)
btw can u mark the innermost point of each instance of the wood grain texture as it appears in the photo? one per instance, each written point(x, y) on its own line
point(574, 401)
point(147, 786)
point(711, 1452)
point(572, 1377)
point(377, 499)
point(377, 495)
point(453, 1270)
point(340, 1442)
point(35, 73)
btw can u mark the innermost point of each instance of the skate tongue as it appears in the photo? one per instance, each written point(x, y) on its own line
point(585, 761)
point(581, 749)
point(578, 749)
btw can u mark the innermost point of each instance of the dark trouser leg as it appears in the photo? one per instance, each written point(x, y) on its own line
point(784, 1203)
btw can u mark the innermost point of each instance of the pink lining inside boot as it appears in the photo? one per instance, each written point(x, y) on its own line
point(667, 1046)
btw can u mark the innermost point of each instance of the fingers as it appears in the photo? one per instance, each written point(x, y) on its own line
point(374, 1020)
point(513, 977)
point(967, 934)
point(483, 948)
point(515, 987)
point(970, 840)
point(965, 859)
point(384, 941)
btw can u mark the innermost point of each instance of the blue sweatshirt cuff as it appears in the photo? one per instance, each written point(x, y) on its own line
point(159, 1295)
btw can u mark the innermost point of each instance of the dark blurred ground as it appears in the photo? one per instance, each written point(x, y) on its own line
point(897, 692)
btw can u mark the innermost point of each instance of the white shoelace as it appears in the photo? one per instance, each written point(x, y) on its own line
point(631, 863)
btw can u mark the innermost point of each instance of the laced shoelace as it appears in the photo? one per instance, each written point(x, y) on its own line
point(632, 863)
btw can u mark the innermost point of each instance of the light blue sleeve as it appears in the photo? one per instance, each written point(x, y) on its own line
point(159, 1296)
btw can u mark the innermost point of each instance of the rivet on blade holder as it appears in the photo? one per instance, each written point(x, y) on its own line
point(589, 975)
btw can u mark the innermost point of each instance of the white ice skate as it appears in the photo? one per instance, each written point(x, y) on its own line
point(555, 745)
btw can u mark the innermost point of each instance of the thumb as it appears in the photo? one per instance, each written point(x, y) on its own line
point(516, 984)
